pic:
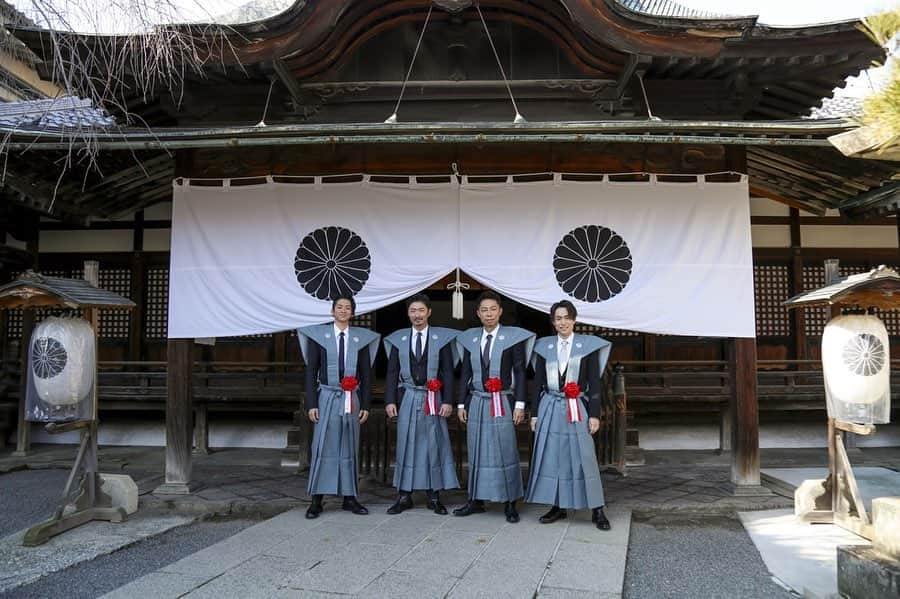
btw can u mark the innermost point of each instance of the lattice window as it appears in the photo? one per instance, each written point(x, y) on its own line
point(772, 287)
point(156, 311)
point(115, 324)
point(814, 317)
point(364, 320)
point(587, 329)
point(817, 317)
point(14, 323)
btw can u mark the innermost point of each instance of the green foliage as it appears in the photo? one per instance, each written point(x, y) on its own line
point(881, 110)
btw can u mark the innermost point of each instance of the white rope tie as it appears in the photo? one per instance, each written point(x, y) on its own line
point(393, 118)
point(519, 118)
point(457, 286)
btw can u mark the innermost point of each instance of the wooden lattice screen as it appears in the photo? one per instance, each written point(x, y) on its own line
point(772, 283)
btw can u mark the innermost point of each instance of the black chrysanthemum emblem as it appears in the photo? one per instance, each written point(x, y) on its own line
point(592, 263)
point(864, 354)
point(48, 357)
point(332, 261)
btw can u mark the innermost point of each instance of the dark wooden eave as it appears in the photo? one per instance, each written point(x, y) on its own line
point(878, 288)
point(34, 289)
point(730, 68)
point(878, 201)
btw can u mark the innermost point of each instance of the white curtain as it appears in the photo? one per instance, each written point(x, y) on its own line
point(654, 257)
point(234, 267)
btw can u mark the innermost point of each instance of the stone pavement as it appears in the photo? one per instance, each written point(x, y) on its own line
point(802, 556)
point(416, 554)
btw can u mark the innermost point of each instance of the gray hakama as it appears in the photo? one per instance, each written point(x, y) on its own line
point(333, 466)
point(424, 453)
point(564, 470)
point(495, 473)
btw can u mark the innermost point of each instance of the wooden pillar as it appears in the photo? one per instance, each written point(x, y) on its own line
point(138, 292)
point(745, 478)
point(743, 402)
point(897, 217)
point(798, 317)
point(179, 425)
point(23, 427)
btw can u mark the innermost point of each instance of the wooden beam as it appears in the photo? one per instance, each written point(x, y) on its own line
point(837, 221)
point(798, 317)
point(635, 62)
point(290, 82)
point(761, 188)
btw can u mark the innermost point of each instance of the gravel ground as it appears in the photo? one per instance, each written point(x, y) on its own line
point(99, 576)
point(684, 556)
point(28, 497)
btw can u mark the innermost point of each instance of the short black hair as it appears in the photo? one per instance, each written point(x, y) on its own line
point(343, 296)
point(569, 306)
point(419, 297)
point(487, 294)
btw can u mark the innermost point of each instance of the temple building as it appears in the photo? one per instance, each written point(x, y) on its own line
point(492, 92)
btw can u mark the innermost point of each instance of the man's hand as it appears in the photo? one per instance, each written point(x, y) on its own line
point(446, 410)
point(463, 417)
point(391, 410)
point(533, 424)
point(518, 416)
point(314, 415)
point(593, 425)
point(363, 416)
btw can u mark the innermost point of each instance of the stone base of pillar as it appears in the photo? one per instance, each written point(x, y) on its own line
point(177, 488)
point(748, 490)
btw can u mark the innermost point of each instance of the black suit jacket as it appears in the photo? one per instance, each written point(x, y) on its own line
point(317, 370)
point(589, 380)
point(512, 361)
point(393, 393)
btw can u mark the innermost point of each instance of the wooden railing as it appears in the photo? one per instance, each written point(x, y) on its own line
point(653, 387)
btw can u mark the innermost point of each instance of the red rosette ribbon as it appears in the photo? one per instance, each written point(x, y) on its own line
point(349, 385)
point(494, 386)
point(431, 402)
point(572, 391)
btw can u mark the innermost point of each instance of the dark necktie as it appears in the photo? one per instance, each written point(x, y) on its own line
point(418, 346)
point(341, 355)
point(486, 353)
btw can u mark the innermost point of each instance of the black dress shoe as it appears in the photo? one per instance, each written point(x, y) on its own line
point(435, 505)
point(553, 515)
point(403, 503)
point(352, 505)
point(599, 518)
point(512, 516)
point(315, 508)
point(473, 506)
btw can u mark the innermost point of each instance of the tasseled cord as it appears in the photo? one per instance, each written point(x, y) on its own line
point(457, 287)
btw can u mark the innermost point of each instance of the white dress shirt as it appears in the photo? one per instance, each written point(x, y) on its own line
point(520, 405)
point(563, 364)
point(412, 340)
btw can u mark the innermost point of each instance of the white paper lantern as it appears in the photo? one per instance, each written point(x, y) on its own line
point(63, 360)
point(856, 364)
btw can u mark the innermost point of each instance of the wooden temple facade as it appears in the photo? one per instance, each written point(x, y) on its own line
point(606, 86)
